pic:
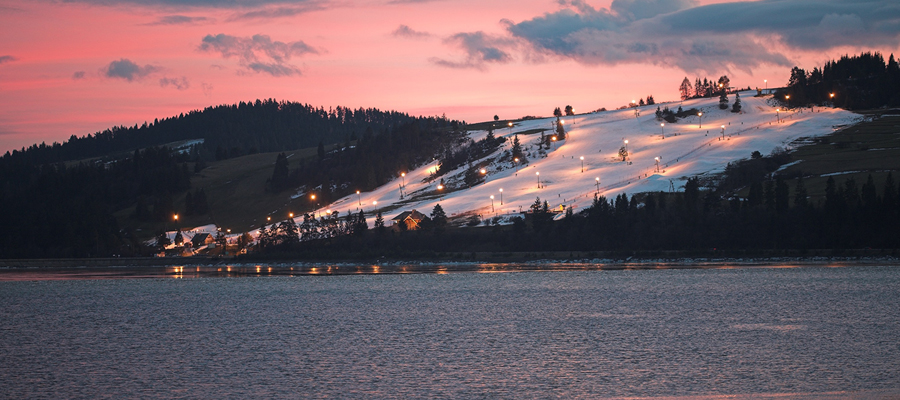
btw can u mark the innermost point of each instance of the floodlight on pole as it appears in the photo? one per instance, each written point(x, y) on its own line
point(657, 163)
point(538, 179)
point(516, 162)
point(582, 164)
point(662, 129)
point(492, 203)
point(700, 116)
point(597, 180)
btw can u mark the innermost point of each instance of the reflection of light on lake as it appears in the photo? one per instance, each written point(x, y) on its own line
point(376, 269)
point(442, 270)
point(257, 269)
point(178, 272)
point(314, 270)
point(228, 268)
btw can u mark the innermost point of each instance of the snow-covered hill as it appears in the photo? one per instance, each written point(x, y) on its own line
point(688, 149)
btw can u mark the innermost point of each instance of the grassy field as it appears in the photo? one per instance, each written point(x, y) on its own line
point(236, 193)
point(871, 147)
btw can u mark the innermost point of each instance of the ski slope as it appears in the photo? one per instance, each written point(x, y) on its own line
point(690, 147)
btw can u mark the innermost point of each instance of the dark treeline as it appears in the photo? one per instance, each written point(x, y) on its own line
point(227, 131)
point(857, 82)
point(775, 216)
point(52, 210)
point(375, 160)
point(58, 209)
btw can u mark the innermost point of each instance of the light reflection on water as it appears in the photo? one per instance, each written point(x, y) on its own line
point(735, 333)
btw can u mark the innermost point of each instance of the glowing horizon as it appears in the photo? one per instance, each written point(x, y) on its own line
point(82, 66)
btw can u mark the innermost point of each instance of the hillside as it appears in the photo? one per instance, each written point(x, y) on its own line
point(688, 149)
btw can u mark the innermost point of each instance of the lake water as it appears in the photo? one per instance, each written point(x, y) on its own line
point(810, 332)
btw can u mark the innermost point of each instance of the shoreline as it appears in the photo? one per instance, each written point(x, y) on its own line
point(220, 268)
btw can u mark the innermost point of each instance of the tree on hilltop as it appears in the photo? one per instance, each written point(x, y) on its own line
point(685, 89)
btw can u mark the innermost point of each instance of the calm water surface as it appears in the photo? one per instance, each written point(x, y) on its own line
point(752, 332)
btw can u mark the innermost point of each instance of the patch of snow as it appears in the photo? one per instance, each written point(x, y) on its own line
point(785, 166)
point(841, 173)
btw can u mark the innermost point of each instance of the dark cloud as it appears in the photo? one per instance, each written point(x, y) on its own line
point(407, 32)
point(207, 89)
point(178, 83)
point(78, 75)
point(278, 12)
point(6, 59)
point(178, 20)
point(128, 70)
point(197, 3)
point(258, 53)
point(480, 49)
point(706, 38)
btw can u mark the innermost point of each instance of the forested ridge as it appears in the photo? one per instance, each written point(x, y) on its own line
point(56, 208)
point(232, 130)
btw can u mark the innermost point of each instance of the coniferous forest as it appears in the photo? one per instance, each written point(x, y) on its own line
point(60, 198)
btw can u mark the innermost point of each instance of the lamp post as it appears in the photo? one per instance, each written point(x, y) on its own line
point(403, 184)
point(501, 196)
point(700, 116)
point(492, 204)
point(777, 118)
point(516, 162)
point(723, 132)
point(657, 164)
point(582, 164)
point(634, 106)
point(626, 145)
point(766, 81)
point(440, 189)
point(831, 96)
point(510, 127)
point(662, 129)
point(787, 97)
point(538, 179)
point(358, 198)
point(597, 181)
point(312, 201)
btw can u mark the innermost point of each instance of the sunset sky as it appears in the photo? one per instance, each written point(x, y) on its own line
point(79, 66)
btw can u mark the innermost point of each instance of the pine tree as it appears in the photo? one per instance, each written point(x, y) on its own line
point(516, 149)
point(570, 111)
point(438, 216)
point(723, 101)
point(560, 131)
point(179, 238)
point(361, 225)
point(379, 223)
point(162, 240)
point(279, 179)
point(685, 89)
point(737, 103)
